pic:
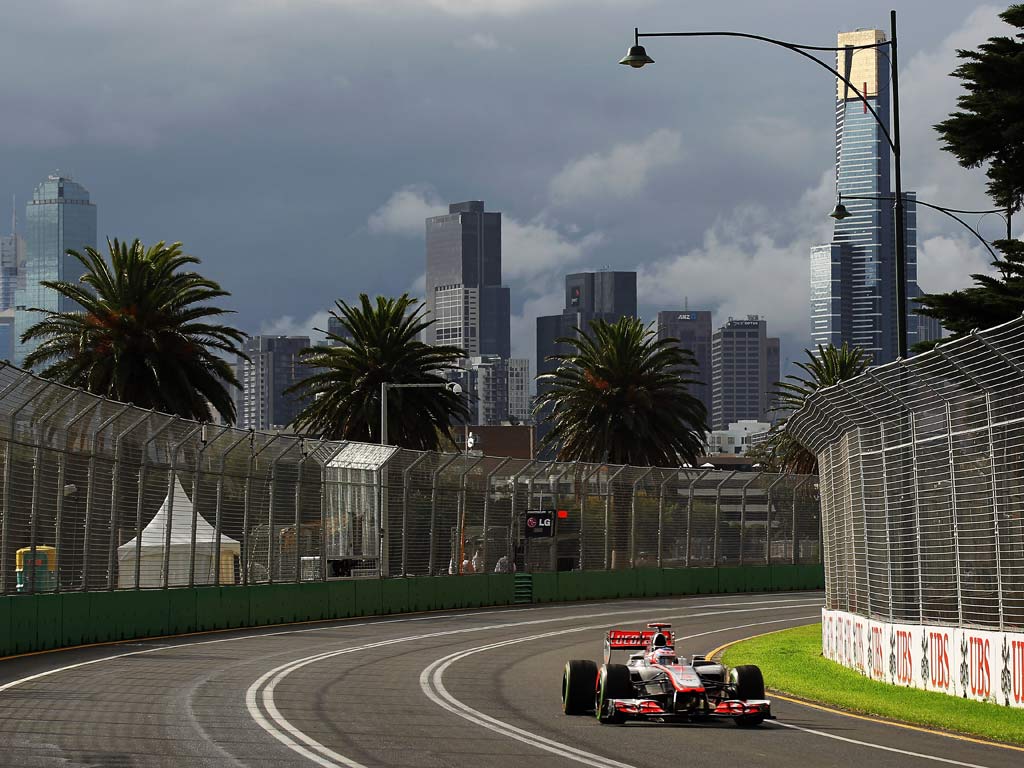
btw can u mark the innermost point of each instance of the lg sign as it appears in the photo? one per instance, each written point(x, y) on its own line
point(539, 524)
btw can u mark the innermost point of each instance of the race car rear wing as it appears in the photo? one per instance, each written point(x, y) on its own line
point(632, 640)
point(628, 640)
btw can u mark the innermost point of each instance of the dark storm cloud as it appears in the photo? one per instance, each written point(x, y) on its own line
point(268, 135)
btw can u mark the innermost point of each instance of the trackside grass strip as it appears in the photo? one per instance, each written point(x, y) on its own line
point(792, 663)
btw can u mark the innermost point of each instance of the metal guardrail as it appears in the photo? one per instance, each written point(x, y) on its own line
point(97, 495)
point(922, 484)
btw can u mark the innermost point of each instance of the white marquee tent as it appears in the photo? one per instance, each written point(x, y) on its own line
point(154, 538)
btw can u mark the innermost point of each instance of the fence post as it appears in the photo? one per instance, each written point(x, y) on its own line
point(203, 445)
point(87, 535)
point(462, 510)
point(632, 518)
point(768, 519)
point(913, 471)
point(172, 480)
point(952, 478)
point(583, 512)
point(8, 476)
point(432, 555)
point(30, 581)
point(689, 515)
point(304, 456)
point(672, 475)
point(608, 517)
point(142, 492)
point(487, 511)
point(61, 472)
point(219, 514)
point(406, 477)
point(992, 461)
point(115, 496)
point(270, 511)
point(529, 500)
point(796, 488)
point(743, 516)
point(718, 513)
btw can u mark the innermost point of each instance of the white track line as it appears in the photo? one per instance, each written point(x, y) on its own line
point(933, 758)
point(431, 681)
point(281, 729)
point(432, 684)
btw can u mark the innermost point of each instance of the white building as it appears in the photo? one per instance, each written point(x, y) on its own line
point(738, 437)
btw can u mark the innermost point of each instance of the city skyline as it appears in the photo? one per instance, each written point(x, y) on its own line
point(592, 193)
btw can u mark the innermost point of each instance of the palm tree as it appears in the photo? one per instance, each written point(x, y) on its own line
point(143, 334)
point(781, 452)
point(380, 343)
point(621, 396)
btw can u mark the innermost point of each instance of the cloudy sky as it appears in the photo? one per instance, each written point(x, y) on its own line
point(296, 146)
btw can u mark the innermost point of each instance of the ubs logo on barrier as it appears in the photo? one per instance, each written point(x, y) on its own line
point(938, 667)
point(539, 524)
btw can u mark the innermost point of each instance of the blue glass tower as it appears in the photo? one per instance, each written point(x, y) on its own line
point(853, 278)
point(59, 218)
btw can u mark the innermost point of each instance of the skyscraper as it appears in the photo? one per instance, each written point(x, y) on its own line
point(465, 296)
point(12, 275)
point(59, 218)
point(744, 369)
point(693, 329)
point(274, 365)
point(12, 263)
point(853, 278)
point(589, 296)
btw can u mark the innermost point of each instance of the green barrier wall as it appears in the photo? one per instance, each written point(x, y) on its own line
point(41, 622)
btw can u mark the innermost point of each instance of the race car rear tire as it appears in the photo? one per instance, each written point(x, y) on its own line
point(613, 682)
point(578, 682)
point(747, 682)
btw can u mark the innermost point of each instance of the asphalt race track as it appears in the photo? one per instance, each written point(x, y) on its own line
point(474, 688)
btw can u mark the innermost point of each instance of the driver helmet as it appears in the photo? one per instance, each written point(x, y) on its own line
point(664, 656)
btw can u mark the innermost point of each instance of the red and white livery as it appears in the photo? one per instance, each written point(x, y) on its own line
point(657, 684)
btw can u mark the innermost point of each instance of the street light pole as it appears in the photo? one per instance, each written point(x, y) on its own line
point(898, 210)
point(840, 212)
point(637, 57)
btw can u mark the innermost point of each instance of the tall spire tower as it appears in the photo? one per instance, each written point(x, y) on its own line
point(853, 278)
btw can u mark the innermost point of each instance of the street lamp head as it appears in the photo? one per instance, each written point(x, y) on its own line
point(454, 387)
point(636, 57)
point(840, 212)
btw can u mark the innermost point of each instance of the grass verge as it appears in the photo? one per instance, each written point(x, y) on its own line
point(792, 663)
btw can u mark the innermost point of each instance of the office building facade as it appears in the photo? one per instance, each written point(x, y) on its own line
point(693, 330)
point(589, 296)
point(498, 389)
point(59, 217)
point(853, 278)
point(464, 294)
point(745, 364)
point(274, 365)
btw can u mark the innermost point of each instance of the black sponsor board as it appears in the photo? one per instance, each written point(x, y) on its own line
point(539, 524)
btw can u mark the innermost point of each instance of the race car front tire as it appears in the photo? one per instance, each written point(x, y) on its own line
point(613, 682)
point(749, 721)
point(578, 682)
point(747, 682)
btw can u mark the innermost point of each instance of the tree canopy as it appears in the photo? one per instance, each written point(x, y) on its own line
point(621, 396)
point(380, 342)
point(143, 335)
point(989, 126)
point(781, 452)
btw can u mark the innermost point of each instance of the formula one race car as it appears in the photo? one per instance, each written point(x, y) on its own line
point(658, 685)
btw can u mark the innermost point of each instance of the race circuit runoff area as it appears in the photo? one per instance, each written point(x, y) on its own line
point(473, 688)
